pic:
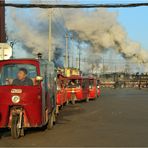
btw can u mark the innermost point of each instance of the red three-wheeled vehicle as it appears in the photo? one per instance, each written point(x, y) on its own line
point(61, 93)
point(93, 88)
point(77, 89)
point(27, 106)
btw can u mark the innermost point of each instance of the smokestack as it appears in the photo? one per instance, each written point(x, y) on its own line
point(2, 23)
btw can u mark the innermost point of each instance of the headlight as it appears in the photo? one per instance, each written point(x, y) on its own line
point(90, 87)
point(58, 88)
point(15, 99)
point(73, 91)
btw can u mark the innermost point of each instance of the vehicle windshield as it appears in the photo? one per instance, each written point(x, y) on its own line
point(10, 73)
point(74, 83)
point(91, 83)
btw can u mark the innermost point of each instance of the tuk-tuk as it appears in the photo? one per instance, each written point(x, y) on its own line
point(77, 89)
point(93, 88)
point(28, 105)
point(61, 92)
point(98, 88)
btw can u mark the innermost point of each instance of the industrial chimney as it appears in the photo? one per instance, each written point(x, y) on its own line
point(2, 23)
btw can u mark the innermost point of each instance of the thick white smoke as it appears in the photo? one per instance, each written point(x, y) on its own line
point(100, 29)
point(97, 28)
point(30, 28)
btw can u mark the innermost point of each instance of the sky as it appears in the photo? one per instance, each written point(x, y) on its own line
point(134, 20)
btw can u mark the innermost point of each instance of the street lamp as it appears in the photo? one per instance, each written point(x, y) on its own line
point(12, 43)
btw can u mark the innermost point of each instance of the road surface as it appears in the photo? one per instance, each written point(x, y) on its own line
point(118, 118)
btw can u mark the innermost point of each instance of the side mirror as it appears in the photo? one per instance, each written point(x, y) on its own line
point(39, 78)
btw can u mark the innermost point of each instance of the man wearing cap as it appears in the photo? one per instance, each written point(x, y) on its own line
point(22, 79)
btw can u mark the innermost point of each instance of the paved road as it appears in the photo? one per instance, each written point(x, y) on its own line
point(118, 118)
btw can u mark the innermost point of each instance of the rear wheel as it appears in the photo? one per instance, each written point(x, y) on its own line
point(51, 120)
point(15, 130)
point(73, 99)
point(22, 133)
point(67, 102)
point(97, 96)
point(57, 109)
point(87, 99)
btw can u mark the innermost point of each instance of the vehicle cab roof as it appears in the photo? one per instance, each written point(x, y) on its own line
point(75, 77)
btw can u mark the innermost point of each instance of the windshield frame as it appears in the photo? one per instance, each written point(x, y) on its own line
point(16, 63)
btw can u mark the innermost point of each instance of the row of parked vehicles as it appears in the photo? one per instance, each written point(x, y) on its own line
point(32, 93)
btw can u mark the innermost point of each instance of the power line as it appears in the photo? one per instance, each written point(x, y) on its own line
point(78, 1)
point(46, 6)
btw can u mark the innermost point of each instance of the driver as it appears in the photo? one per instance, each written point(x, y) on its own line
point(22, 79)
point(72, 83)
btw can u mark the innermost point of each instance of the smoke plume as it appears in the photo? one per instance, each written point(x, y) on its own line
point(31, 30)
point(97, 28)
point(100, 29)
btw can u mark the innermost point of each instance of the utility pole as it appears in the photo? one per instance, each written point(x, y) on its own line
point(103, 64)
point(79, 56)
point(77, 64)
point(72, 58)
point(66, 51)
point(115, 68)
point(2, 23)
point(50, 35)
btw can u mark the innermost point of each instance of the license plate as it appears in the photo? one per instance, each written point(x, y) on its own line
point(16, 91)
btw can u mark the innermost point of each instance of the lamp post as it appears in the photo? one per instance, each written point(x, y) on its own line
point(50, 35)
point(66, 51)
point(12, 43)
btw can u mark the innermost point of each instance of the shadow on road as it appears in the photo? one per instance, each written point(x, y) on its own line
point(4, 133)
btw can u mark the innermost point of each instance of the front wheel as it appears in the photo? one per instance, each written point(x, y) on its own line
point(15, 130)
point(122, 86)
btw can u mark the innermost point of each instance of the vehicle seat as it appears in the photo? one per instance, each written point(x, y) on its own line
point(9, 81)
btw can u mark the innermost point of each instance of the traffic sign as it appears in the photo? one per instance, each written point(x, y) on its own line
point(5, 51)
